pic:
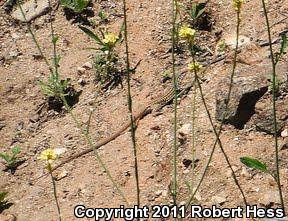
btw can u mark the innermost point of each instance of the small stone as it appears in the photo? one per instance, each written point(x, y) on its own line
point(245, 173)
point(270, 197)
point(81, 70)
point(219, 200)
point(185, 129)
point(59, 151)
point(158, 193)
point(284, 144)
point(2, 124)
point(62, 175)
point(32, 10)
point(87, 65)
point(284, 133)
point(81, 82)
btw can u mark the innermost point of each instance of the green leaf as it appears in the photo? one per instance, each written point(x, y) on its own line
point(2, 196)
point(5, 157)
point(254, 164)
point(91, 35)
point(16, 150)
point(55, 39)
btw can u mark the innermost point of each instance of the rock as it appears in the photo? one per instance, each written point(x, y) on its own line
point(250, 85)
point(271, 197)
point(284, 133)
point(158, 193)
point(62, 175)
point(4, 218)
point(264, 117)
point(185, 129)
point(230, 41)
point(87, 65)
point(81, 82)
point(284, 144)
point(2, 124)
point(32, 10)
point(81, 70)
point(218, 200)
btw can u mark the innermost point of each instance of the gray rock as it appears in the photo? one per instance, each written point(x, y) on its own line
point(249, 98)
point(32, 10)
point(264, 117)
point(247, 89)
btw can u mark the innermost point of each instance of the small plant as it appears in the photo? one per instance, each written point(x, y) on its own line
point(256, 164)
point(195, 11)
point(49, 155)
point(11, 159)
point(102, 16)
point(2, 197)
point(76, 6)
point(106, 59)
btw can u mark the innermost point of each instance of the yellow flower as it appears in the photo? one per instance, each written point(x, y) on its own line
point(110, 39)
point(194, 67)
point(48, 155)
point(237, 4)
point(187, 33)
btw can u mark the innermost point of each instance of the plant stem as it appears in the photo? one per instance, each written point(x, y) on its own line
point(217, 134)
point(174, 178)
point(83, 130)
point(274, 106)
point(55, 192)
point(133, 127)
point(34, 37)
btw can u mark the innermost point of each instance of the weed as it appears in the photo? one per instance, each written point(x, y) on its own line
point(2, 197)
point(76, 6)
point(103, 16)
point(49, 156)
point(11, 159)
point(256, 164)
point(195, 11)
point(106, 60)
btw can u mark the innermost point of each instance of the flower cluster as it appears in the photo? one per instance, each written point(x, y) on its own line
point(187, 33)
point(110, 39)
point(49, 156)
point(237, 4)
point(194, 67)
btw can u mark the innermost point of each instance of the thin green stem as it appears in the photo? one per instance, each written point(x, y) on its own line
point(78, 125)
point(174, 178)
point(217, 134)
point(193, 133)
point(274, 106)
point(55, 193)
point(130, 104)
point(34, 37)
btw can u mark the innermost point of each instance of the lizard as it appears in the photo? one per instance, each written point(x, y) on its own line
point(152, 106)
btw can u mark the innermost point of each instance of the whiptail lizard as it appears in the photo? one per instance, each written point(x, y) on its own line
point(154, 105)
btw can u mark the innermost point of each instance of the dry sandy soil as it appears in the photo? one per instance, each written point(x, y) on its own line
point(83, 181)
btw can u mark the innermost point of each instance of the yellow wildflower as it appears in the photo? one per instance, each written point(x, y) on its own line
point(194, 67)
point(110, 39)
point(187, 33)
point(237, 4)
point(48, 155)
